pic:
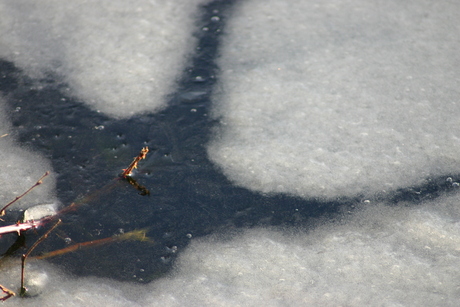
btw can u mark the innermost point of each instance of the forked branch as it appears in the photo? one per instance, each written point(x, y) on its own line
point(7, 293)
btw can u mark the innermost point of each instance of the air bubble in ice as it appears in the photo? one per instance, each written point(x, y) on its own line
point(199, 79)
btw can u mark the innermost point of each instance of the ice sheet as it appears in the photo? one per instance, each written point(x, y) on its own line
point(317, 99)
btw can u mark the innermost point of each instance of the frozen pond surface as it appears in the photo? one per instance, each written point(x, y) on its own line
point(300, 154)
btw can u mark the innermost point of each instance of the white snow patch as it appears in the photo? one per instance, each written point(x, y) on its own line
point(338, 98)
point(120, 57)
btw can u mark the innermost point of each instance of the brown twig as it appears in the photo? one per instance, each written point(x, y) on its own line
point(2, 212)
point(133, 165)
point(8, 293)
point(18, 227)
point(137, 235)
point(24, 256)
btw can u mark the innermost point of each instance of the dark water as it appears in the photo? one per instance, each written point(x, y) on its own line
point(189, 196)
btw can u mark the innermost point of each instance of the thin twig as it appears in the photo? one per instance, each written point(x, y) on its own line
point(8, 293)
point(24, 256)
point(18, 227)
point(133, 165)
point(2, 212)
point(134, 235)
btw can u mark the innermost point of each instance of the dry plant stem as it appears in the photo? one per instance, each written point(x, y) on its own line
point(135, 235)
point(24, 256)
point(8, 293)
point(2, 212)
point(75, 247)
point(18, 227)
point(133, 165)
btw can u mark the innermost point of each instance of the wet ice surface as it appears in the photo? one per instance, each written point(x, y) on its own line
point(371, 218)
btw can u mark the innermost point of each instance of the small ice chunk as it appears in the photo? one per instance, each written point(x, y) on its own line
point(38, 212)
